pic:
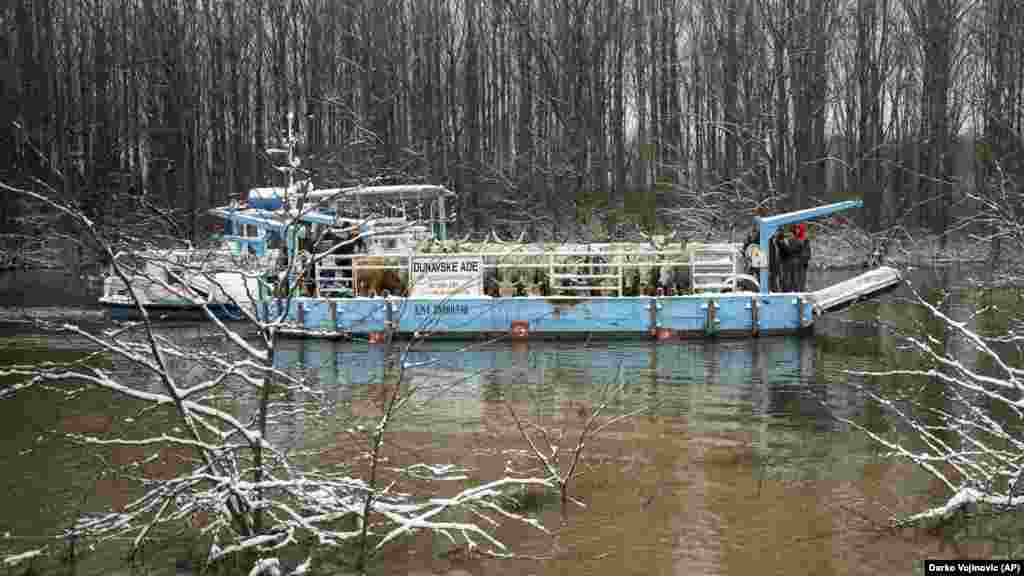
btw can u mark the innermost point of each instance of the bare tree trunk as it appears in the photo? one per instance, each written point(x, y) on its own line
point(619, 111)
point(471, 94)
point(781, 137)
point(871, 57)
point(640, 180)
point(730, 84)
point(936, 23)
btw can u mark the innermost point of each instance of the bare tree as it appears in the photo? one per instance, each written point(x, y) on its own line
point(972, 442)
point(524, 108)
point(259, 497)
point(972, 446)
point(561, 463)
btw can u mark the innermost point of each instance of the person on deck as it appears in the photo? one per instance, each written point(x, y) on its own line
point(751, 243)
point(802, 258)
point(791, 267)
point(751, 240)
point(778, 261)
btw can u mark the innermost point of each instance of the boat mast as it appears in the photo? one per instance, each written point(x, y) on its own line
point(292, 161)
point(443, 217)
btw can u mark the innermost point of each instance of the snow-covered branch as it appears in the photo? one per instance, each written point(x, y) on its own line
point(970, 439)
point(231, 481)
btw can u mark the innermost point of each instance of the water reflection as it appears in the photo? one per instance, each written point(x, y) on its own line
point(740, 429)
point(727, 382)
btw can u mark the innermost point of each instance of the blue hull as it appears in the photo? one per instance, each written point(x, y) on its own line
point(176, 313)
point(700, 316)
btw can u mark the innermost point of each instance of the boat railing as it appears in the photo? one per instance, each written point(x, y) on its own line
point(566, 273)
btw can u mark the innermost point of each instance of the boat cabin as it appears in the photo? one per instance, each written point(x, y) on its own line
point(392, 219)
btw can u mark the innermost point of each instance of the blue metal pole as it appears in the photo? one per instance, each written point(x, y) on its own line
point(765, 232)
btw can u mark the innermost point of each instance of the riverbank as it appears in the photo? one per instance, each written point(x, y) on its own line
point(833, 248)
point(27, 253)
point(854, 248)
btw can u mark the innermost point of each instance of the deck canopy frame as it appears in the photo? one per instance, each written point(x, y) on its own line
point(769, 224)
point(358, 196)
point(278, 221)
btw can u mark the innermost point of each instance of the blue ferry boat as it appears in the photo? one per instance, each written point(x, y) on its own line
point(376, 262)
point(408, 280)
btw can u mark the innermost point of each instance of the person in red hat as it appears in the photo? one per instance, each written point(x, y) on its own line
point(802, 258)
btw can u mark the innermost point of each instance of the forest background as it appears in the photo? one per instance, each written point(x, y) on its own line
point(569, 119)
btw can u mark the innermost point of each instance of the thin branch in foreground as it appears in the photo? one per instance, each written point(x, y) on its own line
point(972, 444)
point(243, 492)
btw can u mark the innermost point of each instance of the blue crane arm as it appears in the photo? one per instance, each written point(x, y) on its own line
point(807, 214)
point(769, 224)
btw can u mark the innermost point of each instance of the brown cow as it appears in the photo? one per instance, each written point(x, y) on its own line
point(376, 281)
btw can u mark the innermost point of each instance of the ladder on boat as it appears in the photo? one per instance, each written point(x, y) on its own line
point(713, 267)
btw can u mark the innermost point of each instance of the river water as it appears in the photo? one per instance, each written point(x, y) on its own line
point(741, 461)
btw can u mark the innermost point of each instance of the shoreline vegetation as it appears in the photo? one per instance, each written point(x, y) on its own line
point(854, 248)
point(834, 249)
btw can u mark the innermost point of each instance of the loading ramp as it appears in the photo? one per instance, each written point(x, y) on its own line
point(856, 289)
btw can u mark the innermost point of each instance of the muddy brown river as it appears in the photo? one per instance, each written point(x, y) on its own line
point(738, 462)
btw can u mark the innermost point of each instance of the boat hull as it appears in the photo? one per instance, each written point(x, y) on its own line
point(164, 302)
point(663, 318)
point(172, 312)
point(704, 315)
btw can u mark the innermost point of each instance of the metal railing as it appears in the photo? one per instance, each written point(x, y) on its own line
point(568, 272)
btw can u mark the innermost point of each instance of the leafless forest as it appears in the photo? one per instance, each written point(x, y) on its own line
point(539, 113)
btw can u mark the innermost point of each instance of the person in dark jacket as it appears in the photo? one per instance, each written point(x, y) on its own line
point(791, 266)
point(803, 257)
point(778, 260)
